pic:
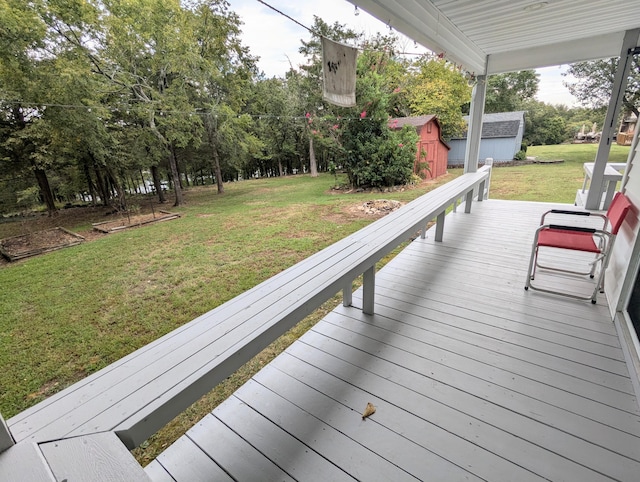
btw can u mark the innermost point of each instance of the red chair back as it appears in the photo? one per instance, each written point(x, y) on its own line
point(618, 211)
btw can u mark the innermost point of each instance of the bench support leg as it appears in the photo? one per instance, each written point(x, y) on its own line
point(481, 188)
point(6, 440)
point(347, 293)
point(368, 290)
point(423, 232)
point(469, 200)
point(440, 226)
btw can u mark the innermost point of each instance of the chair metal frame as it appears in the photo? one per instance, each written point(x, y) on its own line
point(598, 241)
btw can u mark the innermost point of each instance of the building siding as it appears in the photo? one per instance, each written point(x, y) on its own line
point(430, 143)
point(499, 140)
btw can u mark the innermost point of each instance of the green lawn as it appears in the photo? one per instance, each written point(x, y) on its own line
point(66, 314)
point(549, 182)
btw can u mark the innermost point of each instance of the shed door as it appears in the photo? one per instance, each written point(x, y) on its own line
point(428, 149)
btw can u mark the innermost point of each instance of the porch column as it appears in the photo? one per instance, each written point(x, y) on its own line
point(474, 131)
point(611, 120)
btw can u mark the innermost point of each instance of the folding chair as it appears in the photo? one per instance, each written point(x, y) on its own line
point(598, 241)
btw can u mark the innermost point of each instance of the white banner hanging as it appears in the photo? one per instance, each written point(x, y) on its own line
point(339, 73)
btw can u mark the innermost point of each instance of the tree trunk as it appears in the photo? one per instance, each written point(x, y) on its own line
point(186, 177)
point(130, 184)
point(211, 125)
point(102, 186)
point(144, 183)
point(173, 167)
point(630, 106)
point(313, 165)
point(157, 185)
point(176, 178)
point(117, 185)
point(45, 189)
point(90, 185)
point(178, 171)
point(41, 175)
point(218, 171)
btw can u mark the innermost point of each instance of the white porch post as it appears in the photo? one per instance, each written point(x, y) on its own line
point(474, 131)
point(611, 120)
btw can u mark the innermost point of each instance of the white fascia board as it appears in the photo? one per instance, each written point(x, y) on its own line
point(598, 47)
point(423, 22)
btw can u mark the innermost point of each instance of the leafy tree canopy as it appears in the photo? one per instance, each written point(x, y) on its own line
point(437, 87)
point(545, 124)
point(594, 83)
point(507, 92)
point(374, 154)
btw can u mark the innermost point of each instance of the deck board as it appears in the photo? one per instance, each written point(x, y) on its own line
point(472, 377)
point(527, 363)
point(213, 437)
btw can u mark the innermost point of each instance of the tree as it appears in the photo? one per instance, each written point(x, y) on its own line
point(374, 155)
point(311, 85)
point(507, 92)
point(594, 83)
point(545, 124)
point(579, 117)
point(438, 87)
point(222, 78)
point(22, 48)
point(149, 50)
point(275, 105)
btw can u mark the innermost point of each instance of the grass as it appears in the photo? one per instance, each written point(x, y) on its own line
point(68, 313)
point(549, 182)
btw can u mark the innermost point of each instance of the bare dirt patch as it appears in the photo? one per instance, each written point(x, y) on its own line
point(18, 247)
point(42, 230)
point(131, 221)
point(376, 208)
point(369, 210)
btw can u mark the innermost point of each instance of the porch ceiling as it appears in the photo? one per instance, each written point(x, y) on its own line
point(492, 36)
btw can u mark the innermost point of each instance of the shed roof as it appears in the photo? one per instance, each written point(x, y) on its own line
point(502, 124)
point(417, 121)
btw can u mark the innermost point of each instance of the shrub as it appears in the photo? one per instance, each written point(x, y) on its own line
point(521, 155)
point(376, 156)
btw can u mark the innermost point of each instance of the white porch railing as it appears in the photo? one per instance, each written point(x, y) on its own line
point(136, 396)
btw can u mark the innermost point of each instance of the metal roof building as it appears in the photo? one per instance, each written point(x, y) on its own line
point(501, 138)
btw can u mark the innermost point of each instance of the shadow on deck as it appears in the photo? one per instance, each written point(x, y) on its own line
point(472, 378)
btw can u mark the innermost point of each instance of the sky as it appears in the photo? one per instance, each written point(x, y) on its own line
point(276, 39)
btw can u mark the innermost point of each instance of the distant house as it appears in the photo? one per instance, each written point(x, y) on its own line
point(501, 138)
point(432, 150)
point(627, 129)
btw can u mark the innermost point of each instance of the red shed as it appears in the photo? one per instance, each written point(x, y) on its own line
point(431, 148)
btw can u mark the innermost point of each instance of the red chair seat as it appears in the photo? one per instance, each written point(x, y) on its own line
point(561, 238)
point(574, 237)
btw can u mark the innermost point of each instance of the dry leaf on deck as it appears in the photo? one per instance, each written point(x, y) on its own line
point(370, 410)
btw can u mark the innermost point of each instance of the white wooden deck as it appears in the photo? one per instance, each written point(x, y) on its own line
point(472, 378)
